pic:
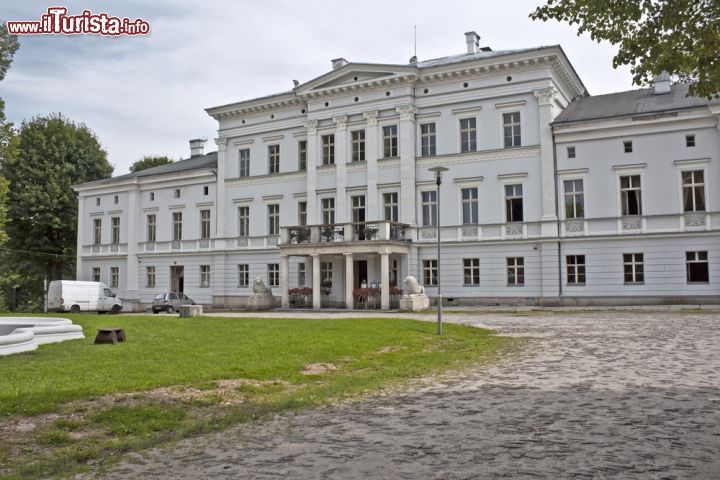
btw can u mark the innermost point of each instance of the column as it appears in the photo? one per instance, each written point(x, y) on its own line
point(371, 158)
point(341, 154)
point(220, 187)
point(385, 281)
point(349, 280)
point(313, 218)
point(546, 98)
point(316, 279)
point(80, 236)
point(407, 163)
point(284, 281)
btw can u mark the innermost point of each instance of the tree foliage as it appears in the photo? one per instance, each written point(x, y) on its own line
point(678, 36)
point(8, 46)
point(150, 161)
point(53, 154)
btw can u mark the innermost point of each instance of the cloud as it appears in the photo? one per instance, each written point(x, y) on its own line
point(147, 94)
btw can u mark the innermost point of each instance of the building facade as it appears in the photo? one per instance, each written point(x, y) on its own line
point(551, 195)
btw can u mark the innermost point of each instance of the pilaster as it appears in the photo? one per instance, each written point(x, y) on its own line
point(546, 104)
point(341, 156)
point(407, 163)
point(131, 281)
point(312, 161)
point(220, 187)
point(80, 233)
point(371, 158)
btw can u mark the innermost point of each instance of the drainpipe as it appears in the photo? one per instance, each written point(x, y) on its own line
point(557, 215)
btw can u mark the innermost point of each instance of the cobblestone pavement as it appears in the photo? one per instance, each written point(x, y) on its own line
point(629, 395)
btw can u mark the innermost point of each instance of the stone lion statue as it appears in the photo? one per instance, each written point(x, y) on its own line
point(412, 287)
point(260, 288)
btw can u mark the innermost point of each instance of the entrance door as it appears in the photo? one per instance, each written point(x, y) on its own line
point(177, 278)
point(360, 273)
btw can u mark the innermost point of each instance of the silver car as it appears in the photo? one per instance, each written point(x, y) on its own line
point(170, 302)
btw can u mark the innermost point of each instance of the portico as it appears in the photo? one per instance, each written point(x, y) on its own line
point(375, 255)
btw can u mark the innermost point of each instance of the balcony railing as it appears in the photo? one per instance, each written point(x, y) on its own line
point(343, 232)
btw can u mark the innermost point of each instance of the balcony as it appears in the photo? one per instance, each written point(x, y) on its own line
point(105, 249)
point(379, 231)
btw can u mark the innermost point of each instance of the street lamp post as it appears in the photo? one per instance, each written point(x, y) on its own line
point(438, 171)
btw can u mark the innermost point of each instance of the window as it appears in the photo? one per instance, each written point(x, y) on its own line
point(151, 228)
point(177, 193)
point(152, 196)
point(116, 199)
point(469, 206)
point(177, 225)
point(697, 267)
point(243, 221)
point(115, 229)
point(273, 274)
point(390, 141)
point(627, 146)
point(427, 139)
point(243, 275)
point(302, 213)
point(630, 195)
point(514, 203)
point(468, 135)
point(326, 274)
point(430, 272)
point(97, 231)
point(390, 201)
point(511, 129)
point(206, 190)
point(358, 208)
point(302, 155)
point(150, 277)
point(328, 149)
point(515, 270)
point(429, 208)
point(97, 201)
point(689, 140)
point(471, 271)
point(574, 199)
point(273, 158)
point(358, 146)
point(570, 152)
point(328, 211)
point(244, 162)
point(575, 269)
point(633, 267)
point(301, 274)
point(273, 219)
point(693, 191)
point(204, 224)
point(204, 276)
point(114, 277)
point(96, 274)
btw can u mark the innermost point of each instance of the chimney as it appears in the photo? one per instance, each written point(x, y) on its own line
point(338, 62)
point(662, 83)
point(197, 146)
point(472, 40)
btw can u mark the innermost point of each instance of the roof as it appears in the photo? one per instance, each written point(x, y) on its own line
point(467, 57)
point(406, 67)
point(630, 103)
point(209, 160)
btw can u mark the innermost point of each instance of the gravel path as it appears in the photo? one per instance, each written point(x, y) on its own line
point(628, 395)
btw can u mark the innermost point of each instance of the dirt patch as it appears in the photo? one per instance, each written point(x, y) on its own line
point(318, 368)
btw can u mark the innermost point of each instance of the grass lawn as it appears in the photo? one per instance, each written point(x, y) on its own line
point(72, 405)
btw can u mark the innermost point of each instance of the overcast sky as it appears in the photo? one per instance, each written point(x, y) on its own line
point(146, 95)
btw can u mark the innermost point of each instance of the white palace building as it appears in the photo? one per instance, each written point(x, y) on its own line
point(551, 196)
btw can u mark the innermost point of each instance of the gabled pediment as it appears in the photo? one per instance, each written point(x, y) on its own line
point(351, 74)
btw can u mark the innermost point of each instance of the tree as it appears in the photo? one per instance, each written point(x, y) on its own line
point(678, 36)
point(53, 154)
point(8, 46)
point(150, 161)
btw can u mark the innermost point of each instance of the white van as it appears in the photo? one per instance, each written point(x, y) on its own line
point(75, 296)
